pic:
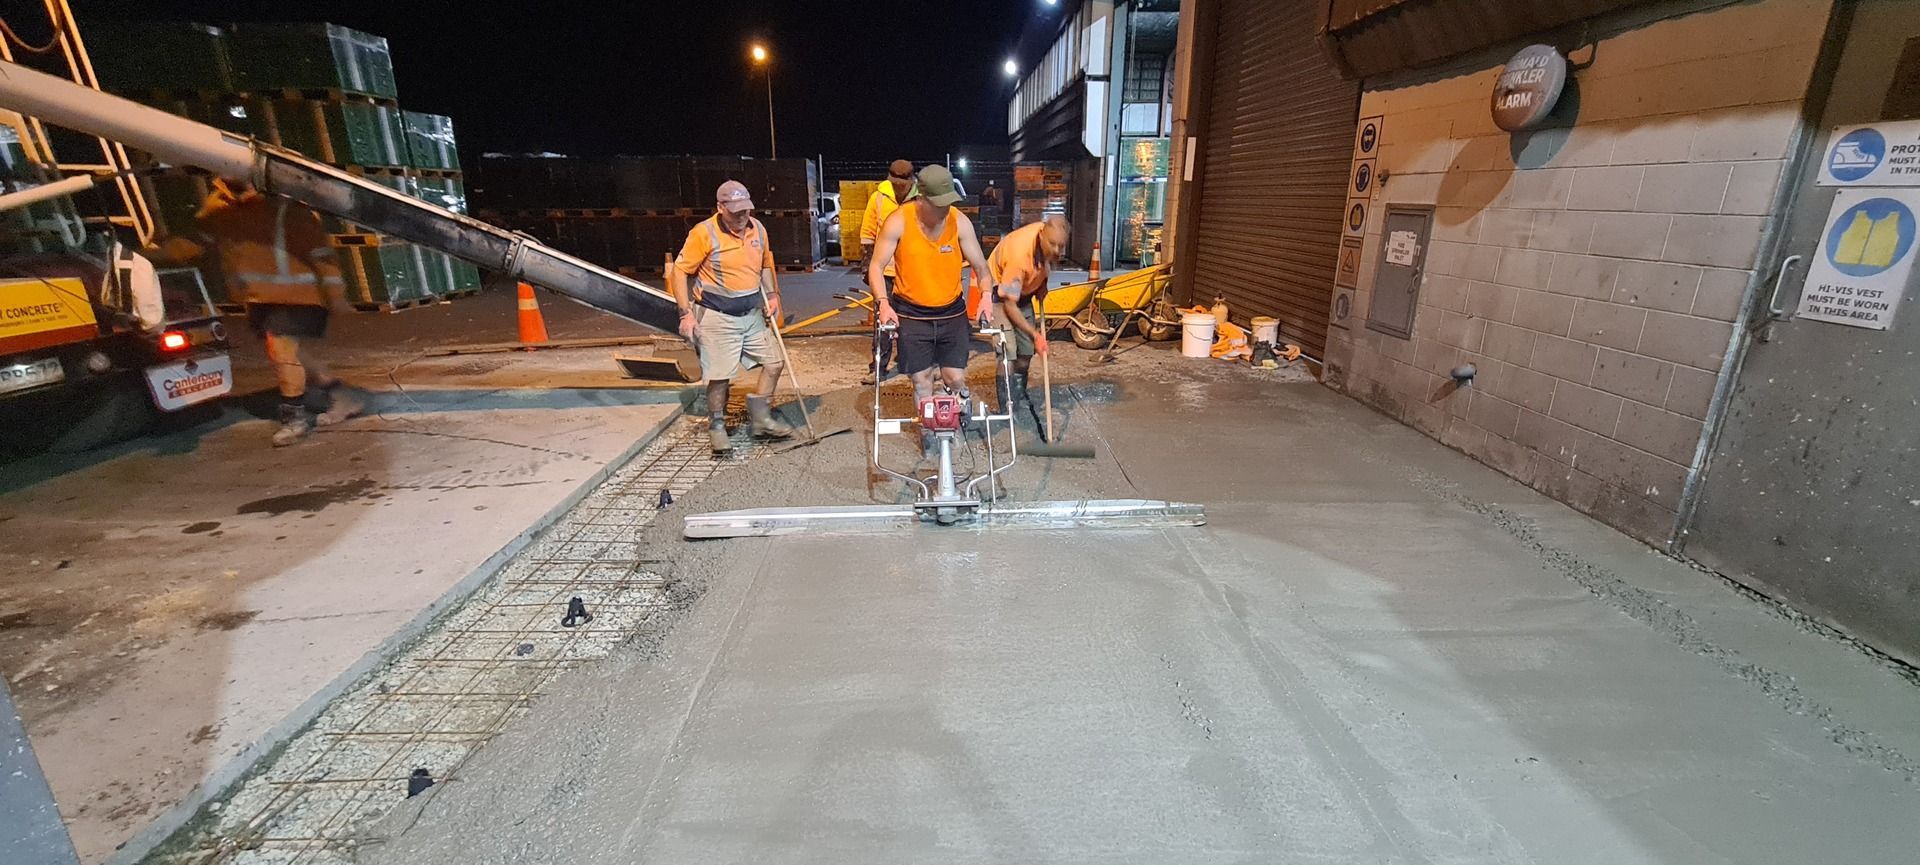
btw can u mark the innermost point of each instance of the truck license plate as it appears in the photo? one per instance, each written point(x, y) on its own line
point(189, 382)
point(32, 374)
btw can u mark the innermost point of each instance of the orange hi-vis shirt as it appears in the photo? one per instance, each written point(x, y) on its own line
point(1018, 257)
point(928, 268)
point(882, 205)
point(723, 262)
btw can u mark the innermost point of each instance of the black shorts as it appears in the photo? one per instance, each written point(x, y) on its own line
point(288, 319)
point(941, 342)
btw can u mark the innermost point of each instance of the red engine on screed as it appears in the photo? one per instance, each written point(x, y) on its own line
point(940, 413)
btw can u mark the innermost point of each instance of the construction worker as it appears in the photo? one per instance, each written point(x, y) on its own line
point(277, 261)
point(1019, 267)
point(928, 242)
point(726, 314)
point(894, 191)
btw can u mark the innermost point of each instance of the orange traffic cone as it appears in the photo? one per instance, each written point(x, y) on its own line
point(533, 327)
point(1093, 269)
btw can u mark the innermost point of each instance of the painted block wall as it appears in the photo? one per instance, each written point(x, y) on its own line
point(1592, 272)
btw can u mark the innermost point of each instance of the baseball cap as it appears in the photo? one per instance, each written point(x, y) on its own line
point(936, 186)
point(900, 168)
point(733, 197)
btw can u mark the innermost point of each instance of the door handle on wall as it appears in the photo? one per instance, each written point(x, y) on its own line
point(1774, 312)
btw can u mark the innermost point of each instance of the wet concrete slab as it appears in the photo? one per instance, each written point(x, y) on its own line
point(1376, 651)
point(172, 606)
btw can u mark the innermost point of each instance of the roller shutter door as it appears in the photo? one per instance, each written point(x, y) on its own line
point(1278, 142)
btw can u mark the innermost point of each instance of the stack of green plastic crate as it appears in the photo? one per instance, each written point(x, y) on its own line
point(430, 142)
point(356, 134)
point(268, 57)
point(387, 273)
point(324, 90)
point(179, 55)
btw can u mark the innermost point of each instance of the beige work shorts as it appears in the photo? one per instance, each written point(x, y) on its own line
point(732, 344)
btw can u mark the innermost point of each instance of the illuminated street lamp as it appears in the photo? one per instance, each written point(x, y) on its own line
point(760, 59)
point(1012, 68)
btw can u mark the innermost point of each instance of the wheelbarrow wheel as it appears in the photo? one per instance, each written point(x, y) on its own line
point(1162, 324)
point(1090, 329)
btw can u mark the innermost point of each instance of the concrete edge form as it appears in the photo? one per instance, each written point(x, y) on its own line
point(218, 782)
point(31, 831)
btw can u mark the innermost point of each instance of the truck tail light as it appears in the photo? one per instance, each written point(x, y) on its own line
point(173, 340)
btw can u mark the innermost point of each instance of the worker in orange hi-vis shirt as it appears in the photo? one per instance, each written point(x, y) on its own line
point(1019, 268)
point(896, 190)
point(725, 310)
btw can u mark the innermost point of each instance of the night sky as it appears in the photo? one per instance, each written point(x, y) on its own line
point(852, 80)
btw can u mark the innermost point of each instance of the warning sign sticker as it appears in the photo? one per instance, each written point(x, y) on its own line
point(1861, 269)
point(1347, 274)
point(1878, 154)
point(1356, 223)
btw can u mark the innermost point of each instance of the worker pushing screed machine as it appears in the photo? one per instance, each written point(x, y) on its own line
point(1020, 266)
point(928, 242)
point(733, 295)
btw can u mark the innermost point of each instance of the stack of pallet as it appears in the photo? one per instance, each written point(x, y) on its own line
point(629, 213)
point(321, 89)
point(1039, 189)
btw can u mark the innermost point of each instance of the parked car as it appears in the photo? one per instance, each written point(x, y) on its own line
point(827, 220)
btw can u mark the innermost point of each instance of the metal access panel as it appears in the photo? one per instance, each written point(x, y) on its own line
point(1812, 489)
point(1400, 265)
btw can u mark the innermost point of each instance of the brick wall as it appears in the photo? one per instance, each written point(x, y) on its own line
point(1593, 272)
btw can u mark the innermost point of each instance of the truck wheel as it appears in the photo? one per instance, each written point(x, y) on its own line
point(115, 412)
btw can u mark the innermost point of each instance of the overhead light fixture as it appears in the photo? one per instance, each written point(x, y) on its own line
point(1012, 68)
point(962, 163)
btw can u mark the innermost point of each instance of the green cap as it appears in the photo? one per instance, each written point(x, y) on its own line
point(936, 186)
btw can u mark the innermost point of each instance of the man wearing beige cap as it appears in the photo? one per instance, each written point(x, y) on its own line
point(725, 316)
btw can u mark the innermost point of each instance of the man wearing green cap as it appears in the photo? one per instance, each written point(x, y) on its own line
point(928, 243)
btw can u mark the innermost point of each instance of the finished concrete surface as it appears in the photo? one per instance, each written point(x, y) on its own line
point(1377, 651)
point(170, 604)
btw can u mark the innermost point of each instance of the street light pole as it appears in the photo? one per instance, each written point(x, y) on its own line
point(760, 59)
point(773, 146)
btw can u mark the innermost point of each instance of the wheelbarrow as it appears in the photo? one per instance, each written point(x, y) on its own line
point(1119, 300)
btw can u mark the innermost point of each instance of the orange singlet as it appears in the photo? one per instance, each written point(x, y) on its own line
point(929, 269)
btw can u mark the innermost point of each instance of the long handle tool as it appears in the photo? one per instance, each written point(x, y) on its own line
point(799, 394)
point(1050, 446)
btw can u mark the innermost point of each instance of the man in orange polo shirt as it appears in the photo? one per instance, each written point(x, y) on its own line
point(725, 314)
point(928, 242)
point(1020, 266)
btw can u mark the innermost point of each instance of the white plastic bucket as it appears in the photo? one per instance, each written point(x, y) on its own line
point(1266, 329)
point(1196, 334)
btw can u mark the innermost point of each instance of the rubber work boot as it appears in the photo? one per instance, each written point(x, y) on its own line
point(341, 405)
point(295, 423)
point(761, 420)
point(1018, 388)
point(717, 434)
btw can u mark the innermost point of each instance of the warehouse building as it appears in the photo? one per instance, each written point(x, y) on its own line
point(1095, 95)
point(1653, 297)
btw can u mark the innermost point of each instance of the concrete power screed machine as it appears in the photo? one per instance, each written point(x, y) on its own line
point(946, 497)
